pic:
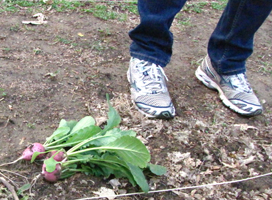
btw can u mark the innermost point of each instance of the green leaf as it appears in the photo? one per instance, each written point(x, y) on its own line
point(114, 118)
point(117, 132)
point(157, 169)
point(63, 123)
point(34, 155)
point(68, 171)
point(139, 177)
point(112, 134)
point(25, 187)
point(71, 124)
point(128, 132)
point(111, 164)
point(60, 132)
point(131, 150)
point(50, 164)
point(66, 174)
point(84, 133)
point(83, 123)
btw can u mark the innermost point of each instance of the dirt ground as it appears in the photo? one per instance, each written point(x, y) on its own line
point(63, 70)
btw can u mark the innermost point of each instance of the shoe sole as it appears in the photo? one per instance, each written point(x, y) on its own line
point(207, 81)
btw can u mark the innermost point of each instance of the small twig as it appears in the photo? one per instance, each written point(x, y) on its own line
point(6, 123)
point(5, 177)
point(10, 188)
point(15, 173)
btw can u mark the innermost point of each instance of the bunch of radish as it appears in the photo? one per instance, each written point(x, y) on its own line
point(85, 147)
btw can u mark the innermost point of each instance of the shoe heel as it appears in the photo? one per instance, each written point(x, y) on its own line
point(204, 78)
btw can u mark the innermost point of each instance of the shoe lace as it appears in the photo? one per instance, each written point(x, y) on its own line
point(239, 82)
point(152, 77)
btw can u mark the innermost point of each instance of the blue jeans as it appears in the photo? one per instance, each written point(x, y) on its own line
point(229, 46)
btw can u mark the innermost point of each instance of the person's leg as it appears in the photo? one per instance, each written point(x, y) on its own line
point(231, 43)
point(152, 40)
point(151, 50)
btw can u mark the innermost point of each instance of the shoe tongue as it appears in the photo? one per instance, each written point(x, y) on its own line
point(151, 77)
point(239, 82)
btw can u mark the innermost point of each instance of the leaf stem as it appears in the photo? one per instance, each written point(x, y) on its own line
point(92, 149)
point(61, 145)
point(70, 151)
point(56, 141)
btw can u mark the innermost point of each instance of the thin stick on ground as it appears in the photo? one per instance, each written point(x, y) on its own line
point(10, 188)
point(11, 172)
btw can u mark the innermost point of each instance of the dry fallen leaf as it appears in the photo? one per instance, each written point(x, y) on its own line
point(105, 192)
point(40, 18)
point(80, 34)
point(176, 156)
point(244, 127)
point(22, 140)
point(114, 183)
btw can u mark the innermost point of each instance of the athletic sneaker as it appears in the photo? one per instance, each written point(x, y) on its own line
point(148, 89)
point(234, 90)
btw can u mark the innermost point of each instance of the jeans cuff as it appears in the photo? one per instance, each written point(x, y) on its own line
point(151, 59)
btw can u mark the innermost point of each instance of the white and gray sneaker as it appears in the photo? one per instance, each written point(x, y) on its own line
point(234, 90)
point(148, 89)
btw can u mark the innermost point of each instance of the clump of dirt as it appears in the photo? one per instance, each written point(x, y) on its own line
point(51, 72)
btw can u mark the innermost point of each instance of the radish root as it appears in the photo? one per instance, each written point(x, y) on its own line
point(33, 182)
point(15, 161)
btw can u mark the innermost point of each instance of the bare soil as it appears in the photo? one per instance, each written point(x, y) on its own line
point(63, 70)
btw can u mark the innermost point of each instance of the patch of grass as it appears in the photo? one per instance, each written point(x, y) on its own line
point(23, 3)
point(104, 32)
point(185, 21)
point(98, 46)
point(63, 40)
point(9, 9)
point(265, 68)
point(112, 10)
point(6, 49)
point(122, 17)
point(106, 11)
point(101, 11)
point(63, 5)
point(131, 7)
point(220, 5)
point(37, 51)
point(14, 5)
point(15, 28)
point(2, 92)
point(31, 125)
point(195, 7)
point(66, 41)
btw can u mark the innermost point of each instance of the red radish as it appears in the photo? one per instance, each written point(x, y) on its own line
point(51, 176)
point(58, 155)
point(35, 147)
point(28, 153)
